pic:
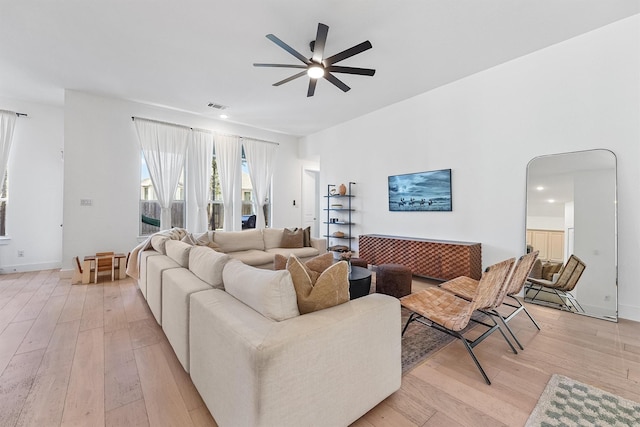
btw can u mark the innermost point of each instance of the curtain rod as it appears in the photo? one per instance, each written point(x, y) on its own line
point(247, 137)
point(161, 122)
point(201, 130)
point(13, 112)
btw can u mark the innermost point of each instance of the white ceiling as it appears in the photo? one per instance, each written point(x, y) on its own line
point(183, 54)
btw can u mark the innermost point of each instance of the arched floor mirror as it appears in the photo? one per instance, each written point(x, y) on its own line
point(571, 209)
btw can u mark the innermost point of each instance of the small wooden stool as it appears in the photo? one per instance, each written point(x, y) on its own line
point(393, 279)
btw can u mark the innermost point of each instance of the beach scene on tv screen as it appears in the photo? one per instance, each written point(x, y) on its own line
point(422, 191)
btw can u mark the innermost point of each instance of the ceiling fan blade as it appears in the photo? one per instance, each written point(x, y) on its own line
point(318, 46)
point(288, 79)
point(337, 82)
point(288, 48)
point(280, 65)
point(359, 48)
point(351, 70)
point(312, 87)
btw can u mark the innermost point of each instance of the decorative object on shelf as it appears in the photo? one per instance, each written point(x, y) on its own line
point(342, 189)
point(338, 234)
point(336, 205)
point(333, 191)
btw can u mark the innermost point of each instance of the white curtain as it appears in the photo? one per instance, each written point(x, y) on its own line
point(228, 159)
point(200, 154)
point(260, 157)
point(164, 147)
point(7, 124)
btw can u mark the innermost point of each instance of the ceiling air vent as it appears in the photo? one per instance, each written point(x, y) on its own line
point(217, 106)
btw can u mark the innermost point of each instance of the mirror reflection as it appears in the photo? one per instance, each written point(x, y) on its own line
point(571, 221)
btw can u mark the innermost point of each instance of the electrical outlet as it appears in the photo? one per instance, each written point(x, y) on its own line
point(86, 202)
point(20, 254)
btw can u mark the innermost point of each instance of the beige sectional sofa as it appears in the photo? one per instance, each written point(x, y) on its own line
point(253, 358)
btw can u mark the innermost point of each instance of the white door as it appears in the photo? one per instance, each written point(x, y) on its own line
point(310, 195)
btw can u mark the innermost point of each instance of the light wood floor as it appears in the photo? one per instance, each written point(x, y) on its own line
point(93, 355)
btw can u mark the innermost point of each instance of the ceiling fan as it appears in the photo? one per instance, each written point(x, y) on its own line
point(317, 66)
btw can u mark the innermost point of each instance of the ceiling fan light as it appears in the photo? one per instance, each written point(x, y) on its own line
point(315, 71)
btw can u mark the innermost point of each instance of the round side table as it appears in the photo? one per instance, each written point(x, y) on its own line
point(359, 282)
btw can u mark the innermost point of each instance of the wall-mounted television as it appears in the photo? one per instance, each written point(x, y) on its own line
point(421, 191)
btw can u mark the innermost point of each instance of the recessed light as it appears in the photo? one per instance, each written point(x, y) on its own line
point(551, 201)
point(224, 116)
point(539, 188)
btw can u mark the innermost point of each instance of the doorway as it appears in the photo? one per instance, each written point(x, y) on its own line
point(310, 196)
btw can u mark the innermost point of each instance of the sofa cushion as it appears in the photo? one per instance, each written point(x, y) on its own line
point(271, 293)
point(292, 238)
point(299, 252)
point(272, 237)
point(235, 241)
point(330, 289)
point(207, 265)
point(158, 243)
point(178, 251)
point(253, 257)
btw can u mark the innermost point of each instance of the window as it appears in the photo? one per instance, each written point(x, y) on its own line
point(3, 204)
point(150, 207)
point(216, 208)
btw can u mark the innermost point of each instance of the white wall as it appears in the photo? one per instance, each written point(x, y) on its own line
point(594, 242)
point(577, 95)
point(102, 163)
point(34, 213)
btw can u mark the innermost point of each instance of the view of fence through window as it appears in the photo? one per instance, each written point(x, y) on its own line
point(150, 208)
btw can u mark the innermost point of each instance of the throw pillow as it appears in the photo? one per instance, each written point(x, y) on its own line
point(279, 262)
point(292, 238)
point(330, 289)
point(306, 241)
point(316, 264)
point(321, 262)
point(549, 269)
point(270, 293)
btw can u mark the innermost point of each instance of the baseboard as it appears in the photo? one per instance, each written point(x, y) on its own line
point(629, 312)
point(7, 269)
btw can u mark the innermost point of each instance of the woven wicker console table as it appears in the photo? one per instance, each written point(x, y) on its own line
point(435, 259)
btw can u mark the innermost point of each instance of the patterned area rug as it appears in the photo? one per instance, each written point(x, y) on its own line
point(419, 342)
point(565, 402)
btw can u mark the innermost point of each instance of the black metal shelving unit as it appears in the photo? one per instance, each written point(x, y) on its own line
point(342, 211)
